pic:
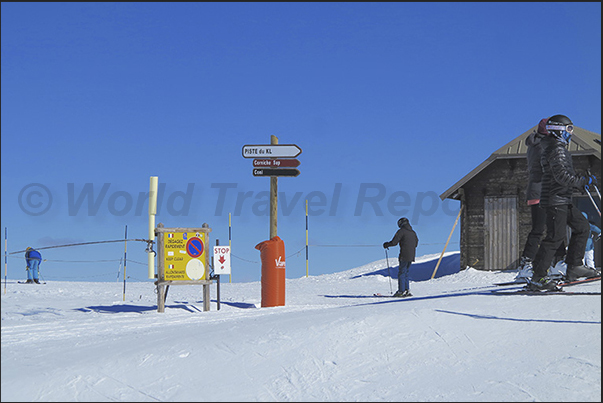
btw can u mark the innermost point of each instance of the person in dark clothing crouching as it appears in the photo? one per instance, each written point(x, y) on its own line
point(407, 239)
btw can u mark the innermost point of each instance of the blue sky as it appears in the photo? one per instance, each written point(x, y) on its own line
point(391, 103)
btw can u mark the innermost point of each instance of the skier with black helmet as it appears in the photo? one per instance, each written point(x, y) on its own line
point(407, 239)
point(559, 180)
point(538, 213)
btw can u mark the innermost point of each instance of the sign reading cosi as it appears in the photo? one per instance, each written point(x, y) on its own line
point(184, 255)
point(275, 172)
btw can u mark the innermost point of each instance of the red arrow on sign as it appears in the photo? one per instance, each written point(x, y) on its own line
point(221, 260)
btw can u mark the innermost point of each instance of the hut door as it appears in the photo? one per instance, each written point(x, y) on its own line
point(500, 231)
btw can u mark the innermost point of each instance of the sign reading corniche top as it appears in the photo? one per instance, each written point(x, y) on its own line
point(276, 163)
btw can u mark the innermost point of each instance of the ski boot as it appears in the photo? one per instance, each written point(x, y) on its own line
point(29, 281)
point(525, 269)
point(36, 281)
point(558, 271)
point(575, 272)
point(542, 284)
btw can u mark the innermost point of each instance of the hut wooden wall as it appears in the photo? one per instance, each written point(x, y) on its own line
point(502, 178)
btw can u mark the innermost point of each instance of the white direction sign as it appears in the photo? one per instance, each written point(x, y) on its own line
point(221, 260)
point(271, 151)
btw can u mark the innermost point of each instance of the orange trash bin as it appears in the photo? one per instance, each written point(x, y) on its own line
point(272, 254)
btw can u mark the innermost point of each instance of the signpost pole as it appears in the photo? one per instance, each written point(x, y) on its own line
point(217, 278)
point(160, 271)
point(125, 253)
point(273, 197)
point(206, 294)
point(229, 243)
point(306, 237)
point(153, 186)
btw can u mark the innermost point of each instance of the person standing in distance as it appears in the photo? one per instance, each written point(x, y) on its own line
point(407, 239)
point(33, 259)
point(558, 183)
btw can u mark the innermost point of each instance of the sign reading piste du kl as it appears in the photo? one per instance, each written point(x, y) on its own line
point(273, 159)
point(271, 151)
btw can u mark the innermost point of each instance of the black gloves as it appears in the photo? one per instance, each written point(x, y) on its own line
point(385, 245)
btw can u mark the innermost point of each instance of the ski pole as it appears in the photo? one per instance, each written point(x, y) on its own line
point(598, 193)
point(593, 200)
point(389, 274)
point(594, 185)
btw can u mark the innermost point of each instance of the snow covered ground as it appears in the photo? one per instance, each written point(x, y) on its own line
point(332, 341)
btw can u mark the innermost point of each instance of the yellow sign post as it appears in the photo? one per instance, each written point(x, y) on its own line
point(182, 259)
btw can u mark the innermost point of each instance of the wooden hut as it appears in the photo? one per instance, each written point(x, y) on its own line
point(496, 220)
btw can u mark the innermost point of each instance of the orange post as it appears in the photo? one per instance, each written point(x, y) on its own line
point(272, 254)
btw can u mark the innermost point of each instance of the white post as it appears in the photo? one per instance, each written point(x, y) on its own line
point(152, 212)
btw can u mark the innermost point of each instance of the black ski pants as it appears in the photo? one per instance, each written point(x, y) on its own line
point(557, 218)
point(535, 236)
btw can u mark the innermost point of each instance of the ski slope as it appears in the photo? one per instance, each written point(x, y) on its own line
point(332, 341)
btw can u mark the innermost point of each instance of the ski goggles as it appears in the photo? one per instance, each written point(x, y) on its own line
point(567, 128)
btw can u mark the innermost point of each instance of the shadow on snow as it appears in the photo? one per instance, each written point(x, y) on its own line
point(458, 294)
point(128, 308)
point(422, 271)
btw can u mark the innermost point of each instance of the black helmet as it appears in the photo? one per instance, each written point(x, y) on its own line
point(402, 222)
point(560, 127)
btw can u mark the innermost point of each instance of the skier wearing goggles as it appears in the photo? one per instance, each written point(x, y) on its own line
point(565, 131)
point(558, 183)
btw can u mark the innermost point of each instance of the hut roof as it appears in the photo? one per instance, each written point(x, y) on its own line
point(583, 142)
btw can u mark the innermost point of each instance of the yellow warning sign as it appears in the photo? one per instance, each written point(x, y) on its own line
point(185, 255)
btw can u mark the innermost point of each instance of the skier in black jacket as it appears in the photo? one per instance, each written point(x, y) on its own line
point(558, 182)
point(538, 213)
point(407, 239)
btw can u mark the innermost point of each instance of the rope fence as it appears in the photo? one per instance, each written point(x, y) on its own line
point(83, 243)
point(293, 255)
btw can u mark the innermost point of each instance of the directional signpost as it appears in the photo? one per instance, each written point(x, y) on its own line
point(273, 160)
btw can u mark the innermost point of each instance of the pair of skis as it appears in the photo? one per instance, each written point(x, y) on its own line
point(561, 284)
point(556, 291)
